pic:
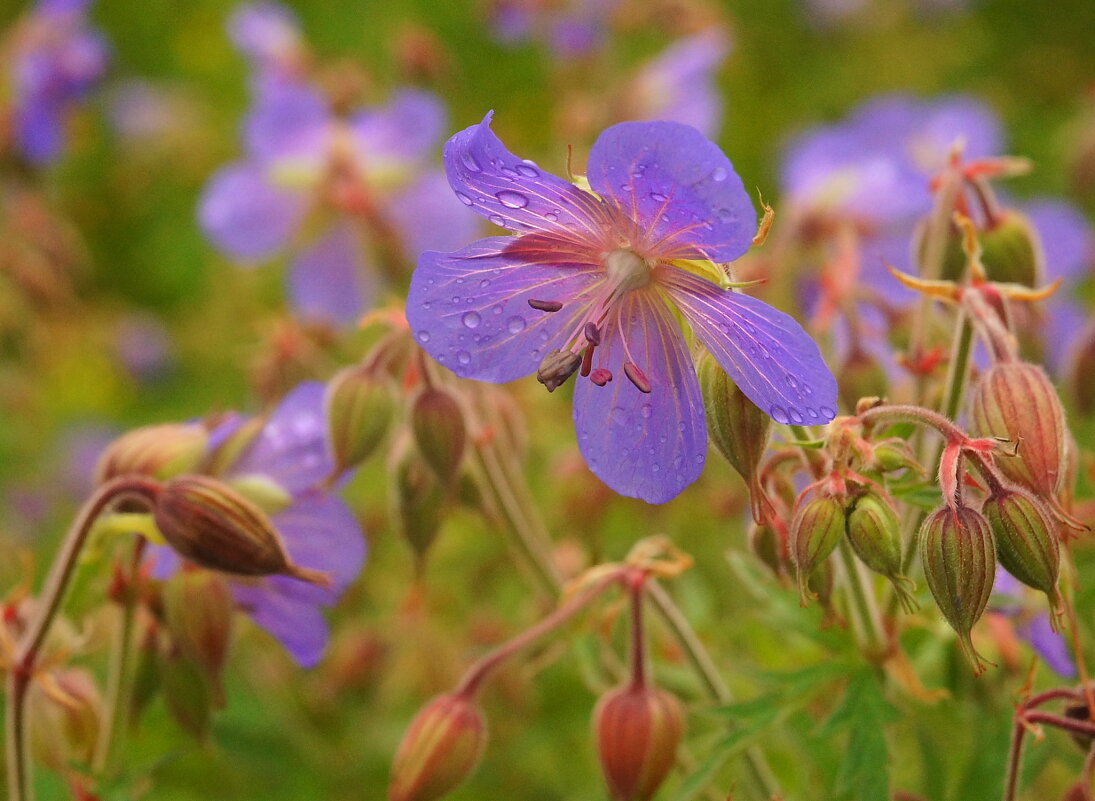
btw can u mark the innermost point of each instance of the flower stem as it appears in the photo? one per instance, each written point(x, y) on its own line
point(30, 644)
point(958, 372)
point(862, 602)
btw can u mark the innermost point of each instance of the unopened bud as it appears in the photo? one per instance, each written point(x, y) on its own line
point(1016, 401)
point(417, 498)
point(212, 525)
point(959, 559)
point(815, 533)
point(65, 709)
point(439, 751)
point(765, 543)
point(557, 367)
point(1011, 251)
point(638, 729)
point(198, 608)
point(159, 451)
point(439, 431)
point(874, 532)
point(359, 405)
point(861, 376)
point(891, 455)
point(187, 695)
point(1026, 543)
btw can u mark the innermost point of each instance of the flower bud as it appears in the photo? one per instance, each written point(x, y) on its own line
point(187, 695)
point(874, 532)
point(65, 709)
point(439, 751)
point(359, 406)
point(764, 542)
point(160, 451)
point(861, 376)
point(417, 498)
point(815, 533)
point(638, 729)
point(891, 455)
point(738, 428)
point(212, 525)
point(1016, 401)
point(439, 431)
point(198, 607)
point(959, 559)
point(1026, 543)
point(1011, 251)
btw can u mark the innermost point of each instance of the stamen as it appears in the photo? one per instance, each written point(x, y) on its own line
point(592, 334)
point(637, 377)
point(600, 376)
point(587, 360)
point(557, 367)
point(545, 305)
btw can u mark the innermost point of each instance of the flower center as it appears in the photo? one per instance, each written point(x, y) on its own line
point(627, 270)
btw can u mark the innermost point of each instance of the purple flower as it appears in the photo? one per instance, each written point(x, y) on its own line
point(572, 28)
point(58, 59)
point(599, 283)
point(363, 181)
point(1032, 625)
point(291, 455)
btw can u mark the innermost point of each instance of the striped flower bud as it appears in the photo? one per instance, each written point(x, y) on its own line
point(359, 405)
point(815, 533)
point(874, 532)
point(439, 431)
point(212, 525)
point(638, 728)
point(159, 451)
point(737, 427)
point(198, 609)
point(439, 751)
point(1026, 543)
point(959, 559)
point(1016, 401)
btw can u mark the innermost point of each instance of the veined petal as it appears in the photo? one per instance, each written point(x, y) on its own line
point(774, 362)
point(678, 186)
point(329, 281)
point(297, 624)
point(643, 445)
point(246, 216)
point(470, 311)
point(517, 194)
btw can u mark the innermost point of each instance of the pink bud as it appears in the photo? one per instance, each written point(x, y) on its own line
point(638, 729)
point(441, 748)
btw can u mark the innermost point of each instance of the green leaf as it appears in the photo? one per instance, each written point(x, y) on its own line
point(865, 774)
point(924, 495)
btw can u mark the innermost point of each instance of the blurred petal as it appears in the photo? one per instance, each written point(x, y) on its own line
point(1050, 645)
point(767, 354)
point(292, 446)
point(329, 281)
point(679, 84)
point(247, 217)
point(321, 532)
point(469, 309)
point(517, 194)
point(165, 562)
point(1068, 242)
point(643, 445)
point(298, 625)
point(38, 130)
point(429, 217)
point(289, 122)
point(263, 32)
point(406, 129)
point(677, 185)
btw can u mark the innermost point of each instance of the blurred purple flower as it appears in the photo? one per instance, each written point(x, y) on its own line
point(268, 34)
point(57, 60)
point(572, 28)
point(143, 346)
point(679, 84)
point(1033, 626)
point(365, 180)
point(599, 280)
point(319, 531)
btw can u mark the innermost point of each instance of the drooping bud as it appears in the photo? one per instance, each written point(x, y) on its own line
point(65, 709)
point(159, 451)
point(738, 428)
point(1011, 251)
point(764, 542)
point(815, 533)
point(441, 748)
point(417, 498)
point(638, 728)
point(359, 405)
point(439, 431)
point(557, 367)
point(861, 376)
point(188, 695)
point(198, 608)
point(1026, 543)
point(874, 532)
point(891, 455)
point(959, 559)
point(212, 525)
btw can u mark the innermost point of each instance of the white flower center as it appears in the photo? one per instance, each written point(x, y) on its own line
point(627, 270)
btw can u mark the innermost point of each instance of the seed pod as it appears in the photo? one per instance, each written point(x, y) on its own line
point(874, 534)
point(764, 542)
point(959, 559)
point(159, 451)
point(1026, 544)
point(815, 533)
point(198, 609)
point(637, 729)
point(1016, 401)
point(439, 431)
point(441, 748)
point(861, 376)
point(212, 525)
point(1011, 251)
point(737, 427)
point(417, 499)
point(359, 407)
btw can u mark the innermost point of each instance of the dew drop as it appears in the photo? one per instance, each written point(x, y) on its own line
point(470, 320)
point(515, 325)
point(463, 357)
point(807, 389)
point(796, 416)
point(423, 336)
point(528, 170)
point(811, 412)
point(646, 410)
point(827, 412)
point(497, 220)
point(467, 201)
point(719, 174)
point(779, 414)
point(513, 200)
point(508, 172)
point(496, 309)
point(553, 216)
point(468, 160)
point(791, 381)
point(658, 196)
point(726, 215)
point(426, 306)
point(484, 283)
point(655, 467)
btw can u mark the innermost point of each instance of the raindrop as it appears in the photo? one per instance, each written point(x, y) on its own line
point(469, 161)
point(509, 173)
point(497, 220)
point(698, 458)
point(827, 412)
point(791, 382)
point(807, 389)
point(463, 357)
point(719, 174)
point(513, 200)
point(726, 215)
point(655, 467)
point(515, 325)
point(646, 410)
point(484, 283)
point(779, 414)
point(748, 326)
point(528, 170)
point(796, 416)
point(426, 306)
point(467, 201)
point(455, 298)
point(423, 336)
point(497, 309)
point(658, 196)
point(553, 216)
point(470, 320)
point(812, 412)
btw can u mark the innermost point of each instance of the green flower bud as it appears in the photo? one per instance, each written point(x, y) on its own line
point(439, 431)
point(159, 451)
point(439, 751)
point(65, 710)
point(417, 499)
point(874, 533)
point(815, 533)
point(959, 559)
point(1011, 251)
point(360, 405)
point(891, 455)
point(198, 609)
point(637, 729)
point(212, 525)
point(1026, 543)
point(188, 695)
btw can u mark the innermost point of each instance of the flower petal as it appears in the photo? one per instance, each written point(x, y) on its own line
point(1050, 645)
point(405, 129)
point(767, 354)
point(429, 217)
point(678, 185)
point(289, 122)
point(329, 281)
point(470, 311)
point(517, 194)
point(296, 624)
point(320, 532)
point(247, 217)
point(643, 445)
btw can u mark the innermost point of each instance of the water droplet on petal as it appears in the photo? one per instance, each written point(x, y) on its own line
point(497, 220)
point(515, 325)
point(509, 173)
point(646, 410)
point(513, 200)
point(470, 320)
point(726, 215)
point(484, 283)
point(423, 336)
point(463, 357)
point(467, 201)
point(719, 174)
point(792, 382)
point(796, 416)
point(658, 196)
point(779, 414)
point(496, 309)
point(811, 412)
point(827, 412)
point(468, 160)
point(553, 216)
point(528, 170)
